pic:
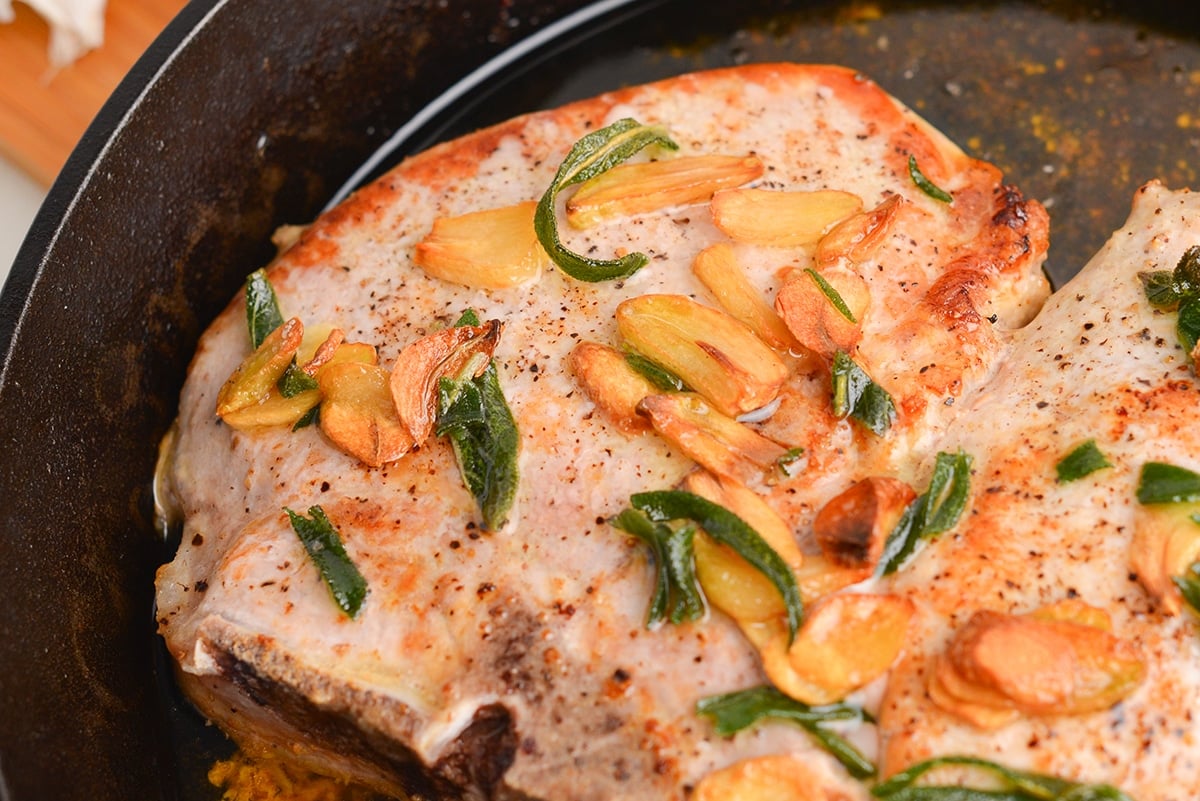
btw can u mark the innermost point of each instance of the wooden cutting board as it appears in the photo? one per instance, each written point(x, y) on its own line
point(44, 111)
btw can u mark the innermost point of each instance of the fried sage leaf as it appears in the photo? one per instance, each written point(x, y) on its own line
point(262, 307)
point(1015, 785)
point(677, 596)
point(733, 712)
point(324, 545)
point(474, 414)
point(925, 185)
point(1189, 585)
point(835, 297)
point(934, 512)
point(596, 153)
point(1161, 482)
point(1083, 460)
point(856, 395)
point(727, 528)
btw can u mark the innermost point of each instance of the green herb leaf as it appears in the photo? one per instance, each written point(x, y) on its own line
point(1160, 288)
point(1015, 785)
point(324, 546)
point(677, 596)
point(1160, 482)
point(729, 529)
point(925, 185)
point(660, 377)
point(1189, 585)
point(1083, 460)
point(832, 294)
point(474, 414)
point(294, 381)
point(934, 512)
point(469, 317)
point(1187, 272)
point(735, 711)
point(310, 417)
point(262, 307)
point(1187, 326)
point(856, 395)
point(592, 155)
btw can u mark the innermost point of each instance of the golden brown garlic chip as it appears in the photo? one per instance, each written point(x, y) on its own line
point(777, 777)
point(847, 641)
point(611, 384)
point(358, 415)
point(781, 219)
point(491, 249)
point(716, 442)
point(813, 316)
point(853, 526)
point(642, 187)
point(444, 354)
point(856, 238)
point(999, 666)
point(710, 351)
point(717, 268)
point(259, 372)
point(1166, 541)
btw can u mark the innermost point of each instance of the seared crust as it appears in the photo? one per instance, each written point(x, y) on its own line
point(517, 664)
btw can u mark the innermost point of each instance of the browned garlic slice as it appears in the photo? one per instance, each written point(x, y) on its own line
point(730, 583)
point(814, 319)
point(491, 249)
point(717, 268)
point(277, 410)
point(358, 415)
point(714, 441)
point(611, 384)
point(778, 777)
point(856, 238)
point(1166, 541)
point(712, 352)
point(999, 666)
point(642, 187)
point(781, 219)
point(257, 375)
point(421, 364)
point(852, 528)
point(847, 641)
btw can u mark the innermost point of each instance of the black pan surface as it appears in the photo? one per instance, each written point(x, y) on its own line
point(247, 114)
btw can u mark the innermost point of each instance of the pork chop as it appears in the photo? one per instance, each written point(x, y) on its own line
point(517, 663)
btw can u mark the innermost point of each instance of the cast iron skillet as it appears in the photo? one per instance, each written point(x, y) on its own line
point(247, 114)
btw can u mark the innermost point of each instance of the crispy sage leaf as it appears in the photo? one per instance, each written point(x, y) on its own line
point(1014, 785)
point(856, 395)
point(1160, 482)
point(828, 290)
point(934, 512)
point(592, 155)
point(729, 529)
point(925, 185)
point(474, 414)
point(1160, 289)
point(324, 545)
point(262, 307)
point(657, 375)
point(294, 381)
point(1189, 585)
point(1187, 325)
point(1083, 460)
point(677, 595)
point(739, 710)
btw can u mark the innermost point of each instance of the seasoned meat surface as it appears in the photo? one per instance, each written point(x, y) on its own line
point(518, 663)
